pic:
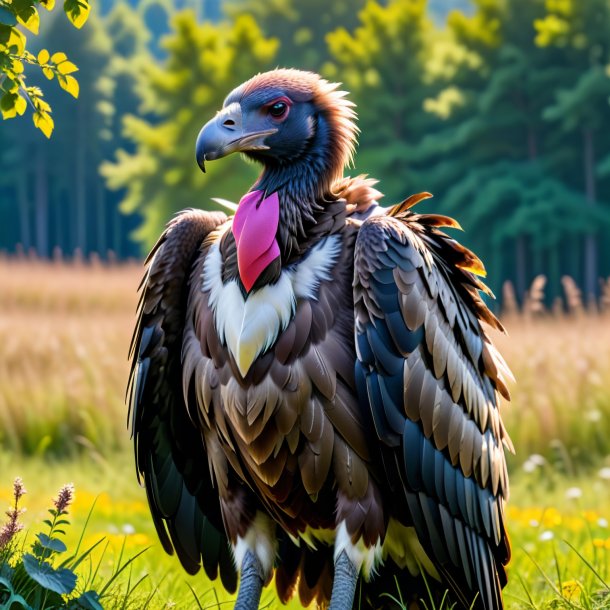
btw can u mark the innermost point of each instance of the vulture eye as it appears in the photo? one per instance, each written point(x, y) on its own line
point(278, 109)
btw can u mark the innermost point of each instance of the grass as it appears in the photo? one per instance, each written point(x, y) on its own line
point(550, 525)
point(64, 336)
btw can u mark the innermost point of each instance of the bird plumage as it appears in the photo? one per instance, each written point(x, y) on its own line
point(340, 402)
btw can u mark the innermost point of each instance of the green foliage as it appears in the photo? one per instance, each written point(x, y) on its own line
point(38, 580)
point(301, 27)
point(500, 110)
point(161, 177)
point(15, 93)
point(383, 64)
point(48, 577)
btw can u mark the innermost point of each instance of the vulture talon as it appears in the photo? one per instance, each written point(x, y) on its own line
point(250, 583)
point(314, 360)
point(344, 584)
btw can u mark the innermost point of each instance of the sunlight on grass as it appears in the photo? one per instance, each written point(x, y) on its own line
point(64, 337)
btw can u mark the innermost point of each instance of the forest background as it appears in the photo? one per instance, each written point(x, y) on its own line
point(498, 107)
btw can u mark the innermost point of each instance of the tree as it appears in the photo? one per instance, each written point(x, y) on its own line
point(13, 55)
point(578, 33)
point(500, 178)
point(383, 64)
point(301, 27)
point(55, 184)
point(161, 177)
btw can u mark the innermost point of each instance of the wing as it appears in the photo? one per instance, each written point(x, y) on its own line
point(431, 378)
point(169, 451)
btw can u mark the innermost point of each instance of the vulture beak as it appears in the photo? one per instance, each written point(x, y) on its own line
point(227, 133)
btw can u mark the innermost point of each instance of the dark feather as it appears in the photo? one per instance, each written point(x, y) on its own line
point(421, 308)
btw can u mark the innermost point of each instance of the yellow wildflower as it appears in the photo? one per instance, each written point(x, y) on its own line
point(570, 589)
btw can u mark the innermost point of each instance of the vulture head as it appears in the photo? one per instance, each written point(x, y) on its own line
point(297, 125)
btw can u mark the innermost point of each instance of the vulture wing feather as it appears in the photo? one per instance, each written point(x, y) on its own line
point(168, 445)
point(418, 312)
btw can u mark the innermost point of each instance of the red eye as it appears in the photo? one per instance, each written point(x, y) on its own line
point(278, 109)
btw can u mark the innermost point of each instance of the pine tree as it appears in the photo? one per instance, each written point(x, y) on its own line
point(382, 62)
point(578, 34)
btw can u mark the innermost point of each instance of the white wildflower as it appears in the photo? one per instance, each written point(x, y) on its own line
point(573, 493)
point(546, 535)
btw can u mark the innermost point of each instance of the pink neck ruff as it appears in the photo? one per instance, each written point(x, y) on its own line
point(255, 227)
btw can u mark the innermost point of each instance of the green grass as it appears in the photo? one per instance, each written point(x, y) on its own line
point(64, 336)
point(558, 526)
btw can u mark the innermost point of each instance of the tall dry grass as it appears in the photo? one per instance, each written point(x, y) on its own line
point(65, 330)
point(64, 336)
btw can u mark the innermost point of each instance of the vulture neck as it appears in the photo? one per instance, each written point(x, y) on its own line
point(304, 187)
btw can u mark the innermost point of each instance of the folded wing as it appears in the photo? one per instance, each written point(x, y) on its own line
point(431, 378)
point(169, 450)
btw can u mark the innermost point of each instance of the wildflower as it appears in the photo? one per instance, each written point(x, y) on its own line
point(594, 415)
point(128, 529)
point(604, 473)
point(533, 462)
point(591, 516)
point(64, 498)
point(602, 522)
point(573, 493)
point(19, 489)
point(546, 536)
point(13, 526)
point(570, 589)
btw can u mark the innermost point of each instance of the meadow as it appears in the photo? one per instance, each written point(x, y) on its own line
point(64, 335)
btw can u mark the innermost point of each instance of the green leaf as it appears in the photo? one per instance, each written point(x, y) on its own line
point(77, 12)
point(60, 581)
point(4, 582)
point(69, 83)
point(8, 103)
point(52, 544)
point(43, 56)
point(89, 601)
point(67, 67)
point(59, 57)
point(20, 105)
point(44, 122)
point(7, 17)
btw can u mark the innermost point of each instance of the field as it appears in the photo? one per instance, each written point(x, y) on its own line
point(64, 336)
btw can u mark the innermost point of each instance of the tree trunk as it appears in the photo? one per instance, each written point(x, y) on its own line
point(81, 182)
point(590, 283)
point(101, 219)
point(24, 209)
point(521, 271)
point(520, 264)
point(42, 204)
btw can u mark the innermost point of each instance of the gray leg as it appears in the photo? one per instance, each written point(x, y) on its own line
point(344, 585)
point(250, 583)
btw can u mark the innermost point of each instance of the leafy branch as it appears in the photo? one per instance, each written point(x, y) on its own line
point(19, 15)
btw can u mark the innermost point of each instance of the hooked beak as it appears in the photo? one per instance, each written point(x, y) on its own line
point(225, 134)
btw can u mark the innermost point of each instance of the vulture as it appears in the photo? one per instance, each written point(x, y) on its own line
point(314, 397)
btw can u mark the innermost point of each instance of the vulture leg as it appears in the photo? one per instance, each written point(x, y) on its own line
point(344, 585)
point(250, 584)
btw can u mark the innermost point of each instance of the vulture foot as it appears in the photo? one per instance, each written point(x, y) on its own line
point(344, 585)
point(250, 584)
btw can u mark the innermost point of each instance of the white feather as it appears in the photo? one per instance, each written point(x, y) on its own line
point(225, 203)
point(362, 557)
point(250, 326)
point(307, 275)
point(260, 540)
